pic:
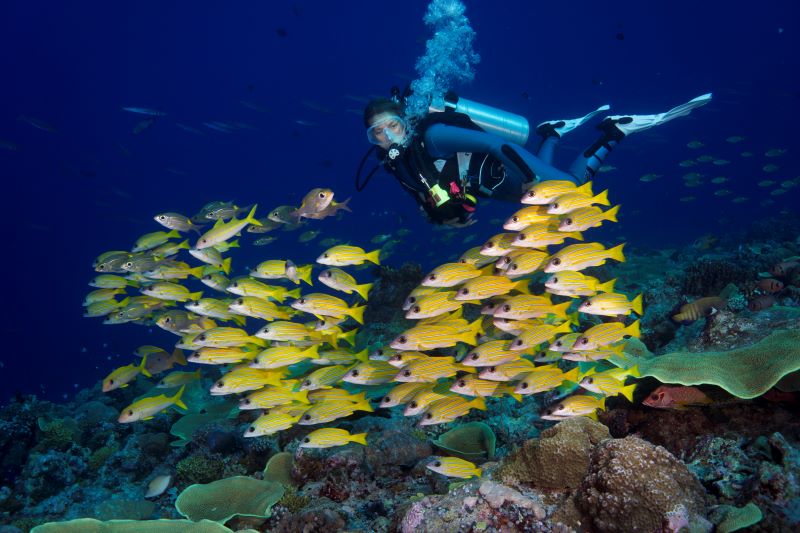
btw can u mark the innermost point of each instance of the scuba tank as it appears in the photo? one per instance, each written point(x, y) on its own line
point(511, 127)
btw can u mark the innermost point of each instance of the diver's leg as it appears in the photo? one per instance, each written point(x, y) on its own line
point(547, 146)
point(552, 130)
point(444, 141)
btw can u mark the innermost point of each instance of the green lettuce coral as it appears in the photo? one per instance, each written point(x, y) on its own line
point(234, 496)
point(90, 525)
point(745, 372)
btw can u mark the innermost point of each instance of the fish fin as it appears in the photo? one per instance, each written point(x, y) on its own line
point(468, 369)
point(571, 375)
point(470, 336)
point(250, 218)
point(258, 341)
point(234, 244)
point(628, 391)
point(344, 205)
point(293, 293)
point(312, 351)
point(577, 235)
point(301, 396)
point(560, 310)
point(592, 415)
point(349, 337)
point(586, 189)
point(636, 305)
point(634, 371)
point(357, 313)
point(173, 234)
point(633, 330)
point(184, 245)
point(608, 286)
point(177, 398)
point(218, 223)
point(226, 265)
point(478, 403)
point(197, 272)
point(363, 290)
point(304, 273)
point(573, 319)
point(616, 253)
point(239, 319)
point(374, 256)
point(515, 395)
point(602, 198)
point(477, 472)
point(143, 369)
point(178, 357)
point(362, 356)
point(360, 438)
point(522, 286)
point(363, 405)
point(195, 295)
point(611, 214)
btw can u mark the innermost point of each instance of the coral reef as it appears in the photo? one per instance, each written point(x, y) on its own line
point(223, 499)
point(473, 441)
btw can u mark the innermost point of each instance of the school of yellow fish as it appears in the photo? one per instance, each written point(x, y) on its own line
point(289, 361)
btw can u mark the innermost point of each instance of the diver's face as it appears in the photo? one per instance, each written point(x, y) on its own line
point(386, 129)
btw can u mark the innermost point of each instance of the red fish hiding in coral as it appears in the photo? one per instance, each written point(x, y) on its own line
point(760, 303)
point(676, 397)
point(770, 285)
point(783, 268)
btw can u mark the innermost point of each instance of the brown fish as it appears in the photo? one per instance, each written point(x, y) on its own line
point(698, 309)
point(761, 303)
point(676, 397)
point(770, 285)
point(783, 268)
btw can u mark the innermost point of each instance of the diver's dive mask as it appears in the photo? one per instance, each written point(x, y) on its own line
point(391, 129)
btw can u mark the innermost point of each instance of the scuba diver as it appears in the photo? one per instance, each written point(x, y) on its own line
point(467, 150)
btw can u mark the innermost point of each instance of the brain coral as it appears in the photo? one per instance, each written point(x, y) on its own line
point(559, 458)
point(632, 485)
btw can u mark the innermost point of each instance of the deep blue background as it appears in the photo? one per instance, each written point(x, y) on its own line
point(93, 185)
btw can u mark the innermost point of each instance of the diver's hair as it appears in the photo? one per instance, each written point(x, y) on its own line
point(379, 106)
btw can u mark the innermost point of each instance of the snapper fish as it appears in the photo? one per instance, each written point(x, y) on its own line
point(577, 405)
point(453, 467)
point(544, 192)
point(329, 437)
point(343, 255)
point(222, 231)
point(149, 407)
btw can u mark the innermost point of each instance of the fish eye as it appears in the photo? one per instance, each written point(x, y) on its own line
point(413, 405)
point(464, 291)
point(432, 277)
point(301, 301)
point(306, 417)
point(402, 339)
point(201, 337)
point(560, 406)
point(531, 194)
point(129, 264)
point(437, 464)
point(354, 373)
point(524, 385)
point(521, 237)
point(379, 351)
point(587, 304)
point(240, 301)
point(428, 415)
point(554, 280)
point(130, 413)
point(306, 440)
point(110, 381)
point(506, 308)
point(412, 299)
point(515, 219)
point(584, 340)
point(235, 284)
point(590, 380)
point(167, 320)
point(416, 309)
point(386, 399)
point(554, 205)
point(325, 255)
point(251, 429)
point(568, 222)
point(162, 217)
point(328, 274)
point(518, 342)
point(220, 384)
point(407, 373)
point(322, 195)
point(462, 383)
point(556, 261)
point(474, 356)
point(307, 383)
point(101, 268)
point(513, 267)
point(489, 244)
point(492, 369)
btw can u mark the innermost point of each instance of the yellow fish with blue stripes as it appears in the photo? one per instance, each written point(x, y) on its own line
point(330, 437)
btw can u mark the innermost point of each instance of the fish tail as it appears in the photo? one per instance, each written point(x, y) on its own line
point(195, 295)
point(293, 293)
point(173, 234)
point(344, 205)
point(143, 368)
point(522, 286)
point(616, 253)
point(636, 305)
point(362, 356)
point(464, 368)
point(634, 371)
point(586, 189)
point(178, 357)
point(239, 319)
point(258, 342)
point(184, 245)
point(234, 244)
point(197, 272)
point(251, 217)
point(628, 391)
point(478, 403)
point(349, 337)
point(304, 273)
point(357, 313)
point(510, 391)
point(374, 256)
point(608, 286)
point(560, 310)
point(312, 351)
point(633, 330)
point(571, 375)
point(360, 438)
point(577, 235)
point(602, 403)
point(477, 471)
point(301, 396)
point(573, 319)
point(470, 336)
point(363, 290)
point(177, 398)
point(602, 198)
point(611, 214)
point(226, 265)
point(363, 405)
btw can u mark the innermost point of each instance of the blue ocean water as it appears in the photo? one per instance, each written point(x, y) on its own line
point(295, 75)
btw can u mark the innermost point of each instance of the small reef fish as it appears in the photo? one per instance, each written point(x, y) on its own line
point(577, 405)
point(176, 221)
point(144, 111)
point(605, 334)
point(157, 486)
point(120, 377)
point(761, 302)
point(222, 231)
point(178, 378)
point(611, 304)
point(676, 397)
point(650, 177)
point(583, 255)
point(329, 437)
point(453, 467)
point(770, 285)
point(698, 309)
point(147, 408)
point(544, 192)
point(338, 279)
point(584, 218)
point(343, 255)
point(448, 409)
